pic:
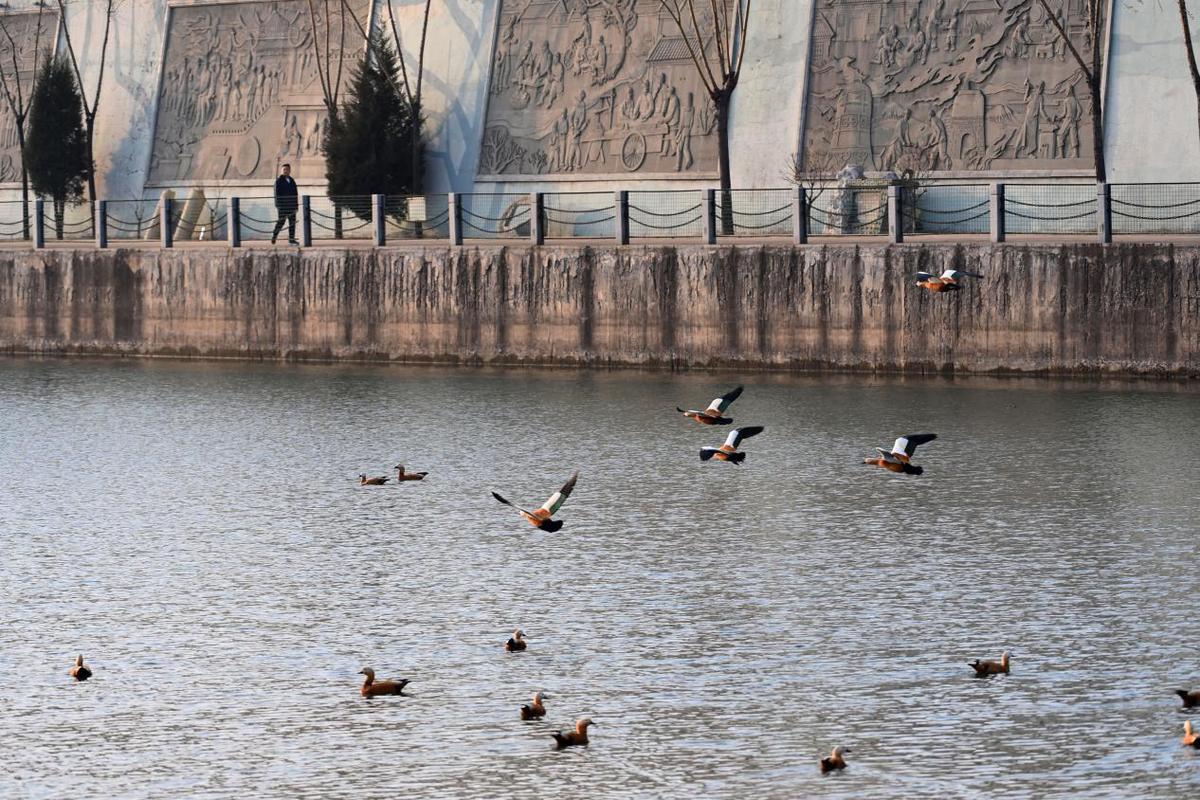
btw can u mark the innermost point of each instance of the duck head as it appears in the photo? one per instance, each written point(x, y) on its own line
point(370, 673)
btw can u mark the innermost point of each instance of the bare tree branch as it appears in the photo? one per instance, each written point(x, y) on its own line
point(701, 67)
point(1087, 73)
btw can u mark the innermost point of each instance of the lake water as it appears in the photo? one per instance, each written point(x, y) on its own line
point(197, 532)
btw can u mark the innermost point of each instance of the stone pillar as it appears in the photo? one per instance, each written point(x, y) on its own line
point(455, 219)
point(101, 224)
point(39, 223)
point(996, 212)
point(708, 214)
point(895, 208)
point(1103, 213)
point(621, 216)
point(305, 221)
point(800, 216)
point(379, 219)
point(165, 229)
point(233, 222)
point(537, 221)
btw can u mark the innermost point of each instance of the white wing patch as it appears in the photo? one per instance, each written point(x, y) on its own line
point(715, 405)
point(553, 503)
point(732, 439)
point(901, 446)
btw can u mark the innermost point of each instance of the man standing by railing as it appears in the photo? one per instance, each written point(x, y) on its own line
point(285, 204)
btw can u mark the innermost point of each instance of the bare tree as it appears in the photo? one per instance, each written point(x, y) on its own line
point(18, 102)
point(90, 107)
point(414, 97)
point(1191, 54)
point(725, 25)
point(1094, 26)
point(329, 73)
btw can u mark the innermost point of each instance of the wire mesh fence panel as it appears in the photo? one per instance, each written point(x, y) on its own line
point(423, 216)
point(665, 214)
point(579, 215)
point(859, 210)
point(257, 217)
point(199, 219)
point(1155, 207)
point(946, 209)
point(341, 217)
point(132, 220)
point(73, 222)
point(754, 212)
point(501, 215)
point(1050, 208)
point(16, 220)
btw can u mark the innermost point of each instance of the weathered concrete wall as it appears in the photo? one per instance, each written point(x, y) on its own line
point(1131, 309)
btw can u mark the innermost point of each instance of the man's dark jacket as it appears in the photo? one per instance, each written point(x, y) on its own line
point(285, 194)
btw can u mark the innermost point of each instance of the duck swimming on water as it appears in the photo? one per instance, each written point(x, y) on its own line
point(541, 518)
point(984, 669)
point(401, 475)
point(374, 688)
point(534, 710)
point(1190, 699)
point(834, 761)
point(898, 460)
point(575, 738)
point(948, 281)
point(729, 451)
point(380, 480)
point(79, 672)
point(714, 414)
point(516, 643)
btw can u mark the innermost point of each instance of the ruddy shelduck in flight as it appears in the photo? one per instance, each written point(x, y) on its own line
point(729, 451)
point(834, 761)
point(79, 672)
point(984, 669)
point(575, 738)
point(715, 413)
point(541, 518)
point(535, 710)
point(374, 688)
point(948, 281)
point(900, 456)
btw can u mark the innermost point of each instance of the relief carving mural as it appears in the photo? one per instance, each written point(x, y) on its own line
point(946, 85)
point(23, 28)
point(595, 87)
point(240, 93)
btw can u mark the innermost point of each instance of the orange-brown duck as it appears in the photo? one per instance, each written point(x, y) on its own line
point(541, 518)
point(516, 642)
point(985, 668)
point(1190, 739)
point(729, 451)
point(900, 457)
point(575, 738)
point(380, 480)
point(374, 688)
point(834, 761)
point(948, 281)
point(715, 413)
point(401, 475)
point(79, 672)
point(1190, 699)
point(535, 710)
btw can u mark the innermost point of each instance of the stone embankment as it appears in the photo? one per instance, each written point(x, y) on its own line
point(1131, 309)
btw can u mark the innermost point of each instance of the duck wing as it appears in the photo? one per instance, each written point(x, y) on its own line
point(510, 503)
point(958, 275)
point(924, 276)
point(907, 445)
point(558, 498)
point(736, 435)
point(717, 407)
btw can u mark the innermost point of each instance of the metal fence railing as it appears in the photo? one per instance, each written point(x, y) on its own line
point(579, 215)
point(1050, 208)
point(947, 209)
point(754, 212)
point(500, 215)
point(1155, 208)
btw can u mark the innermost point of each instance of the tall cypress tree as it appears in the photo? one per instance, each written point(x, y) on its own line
point(368, 147)
point(57, 147)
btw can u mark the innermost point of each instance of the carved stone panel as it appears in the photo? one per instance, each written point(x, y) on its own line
point(947, 85)
point(240, 92)
point(27, 32)
point(595, 87)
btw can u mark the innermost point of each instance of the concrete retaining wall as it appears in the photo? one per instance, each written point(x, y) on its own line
point(1122, 309)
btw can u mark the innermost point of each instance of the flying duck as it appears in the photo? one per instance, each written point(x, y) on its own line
point(373, 688)
point(713, 415)
point(948, 281)
point(363, 480)
point(985, 668)
point(834, 761)
point(729, 451)
point(541, 518)
point(1190, 699)
point(901, 454)
point(79, 672)
point(534, 710)
point(401, 475)
point(577, 737)
point(516, 643)
point(1190, 739)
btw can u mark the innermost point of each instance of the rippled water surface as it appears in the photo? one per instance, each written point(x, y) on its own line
point(197, 531)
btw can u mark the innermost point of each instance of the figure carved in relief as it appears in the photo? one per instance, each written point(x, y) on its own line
point(1069, 126)
point(1035, 110)
point(683, 142)
point(579, 123)
point(670, 118)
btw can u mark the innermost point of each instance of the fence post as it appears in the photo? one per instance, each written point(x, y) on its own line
point(708, 213)
point(800, 216)
point(996, 212)
point(305, 221)
point(1104, 213)
point(101, 224)
point(537, 228)
point(378, 220)
point(39, 223)
point(233, 222)
point(166, 234)
point(621, 216)
point(895, 201)
point(455, 218)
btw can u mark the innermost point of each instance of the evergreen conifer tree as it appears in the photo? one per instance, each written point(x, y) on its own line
point(368, 147)
point(57, 146)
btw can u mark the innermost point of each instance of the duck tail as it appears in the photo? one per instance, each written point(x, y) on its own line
point(1183, 695)
point(559, 740)
point(737, 458)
